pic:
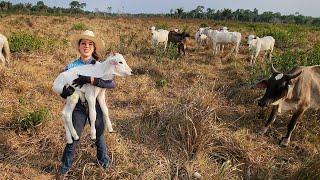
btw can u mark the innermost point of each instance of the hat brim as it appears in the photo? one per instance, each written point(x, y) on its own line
point(97, 42)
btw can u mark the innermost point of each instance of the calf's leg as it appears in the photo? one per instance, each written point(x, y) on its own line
point(91, 99)
point(104, 108)
point(67, 117)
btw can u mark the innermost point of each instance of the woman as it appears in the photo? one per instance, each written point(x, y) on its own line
point(88, 45)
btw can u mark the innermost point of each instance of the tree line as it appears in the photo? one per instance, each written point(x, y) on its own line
point(200, 12)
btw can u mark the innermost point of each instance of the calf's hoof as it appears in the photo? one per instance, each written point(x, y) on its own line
point(76, 138)
point(284, 142)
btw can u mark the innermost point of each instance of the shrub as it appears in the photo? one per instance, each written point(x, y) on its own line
point(202, 25)
point(79, 26)
point(24, 41)
point(172, 52)
point(32, 119)
point(161, 82)
point(285, 38)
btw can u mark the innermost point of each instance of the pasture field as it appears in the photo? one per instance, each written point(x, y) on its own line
point(173, 117)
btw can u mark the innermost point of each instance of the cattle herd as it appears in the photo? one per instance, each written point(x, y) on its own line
point(296, 90)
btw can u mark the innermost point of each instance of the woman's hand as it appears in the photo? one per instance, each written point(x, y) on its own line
point(81, 80)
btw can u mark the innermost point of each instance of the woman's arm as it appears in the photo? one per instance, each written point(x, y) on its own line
point(81, 80)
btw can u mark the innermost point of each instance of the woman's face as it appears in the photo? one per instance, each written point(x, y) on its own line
point(86, 48)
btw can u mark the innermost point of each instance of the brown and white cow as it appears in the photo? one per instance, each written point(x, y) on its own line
point(297, 91)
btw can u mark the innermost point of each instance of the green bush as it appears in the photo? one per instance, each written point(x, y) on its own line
point(285, 38)
point(79, 26)
point(161, 82)
point(24, 41)
point(202, 25)
point(172, 52)
point(32, 119)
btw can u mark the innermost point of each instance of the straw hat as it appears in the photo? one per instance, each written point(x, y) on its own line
point(87, 34)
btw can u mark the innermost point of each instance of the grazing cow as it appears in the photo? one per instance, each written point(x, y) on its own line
point(297, 91)
point(179, 39)
point(257, 44)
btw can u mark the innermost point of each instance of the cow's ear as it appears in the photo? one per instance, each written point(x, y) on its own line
point(261, 84)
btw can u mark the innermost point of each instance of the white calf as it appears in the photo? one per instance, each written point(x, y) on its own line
point(4, 50)
point(114, 65)
point(257, 44)
point(201, 36)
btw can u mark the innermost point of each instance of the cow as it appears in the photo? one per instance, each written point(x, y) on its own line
point(296, 91)
point(179, 39)
point(257, 44)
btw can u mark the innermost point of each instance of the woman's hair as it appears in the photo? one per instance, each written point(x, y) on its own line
point(95, 55)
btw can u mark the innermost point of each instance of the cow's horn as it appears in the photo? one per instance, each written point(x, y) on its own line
point(292, 76)
point(273, 70)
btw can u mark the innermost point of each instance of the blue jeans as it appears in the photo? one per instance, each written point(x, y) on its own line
point(79, 120)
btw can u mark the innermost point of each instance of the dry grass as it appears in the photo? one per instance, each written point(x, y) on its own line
point(204, 119)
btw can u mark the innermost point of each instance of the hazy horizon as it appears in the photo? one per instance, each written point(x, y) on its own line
point(285, 7)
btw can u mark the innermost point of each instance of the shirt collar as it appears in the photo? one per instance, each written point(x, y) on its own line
point(87, 62)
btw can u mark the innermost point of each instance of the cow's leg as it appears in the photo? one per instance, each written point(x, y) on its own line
point(92, 114)
point(255, 57)
point(222, 48)
point(67, 115)
point(271, 119)
point(184, 50)
point(291, 126)
point(165, 45)
point(251, 59)
point(104, 108)
point(214, 47)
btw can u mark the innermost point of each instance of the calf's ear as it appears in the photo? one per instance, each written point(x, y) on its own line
point(261, 84)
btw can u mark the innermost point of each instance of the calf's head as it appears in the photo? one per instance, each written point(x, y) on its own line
point(119, 65)
point(276, 86)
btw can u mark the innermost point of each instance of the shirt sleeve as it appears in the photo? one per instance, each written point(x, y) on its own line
point(109, 84)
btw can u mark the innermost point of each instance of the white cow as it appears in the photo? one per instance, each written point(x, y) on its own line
point(223, 29)
point(223, 38)
point(257, 44)
point(159, 36)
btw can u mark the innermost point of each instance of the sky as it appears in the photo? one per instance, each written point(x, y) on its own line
point(285, 7)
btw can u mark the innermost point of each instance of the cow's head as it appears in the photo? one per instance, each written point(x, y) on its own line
point(276, 86)
point(152, 28)
point(250, 38)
